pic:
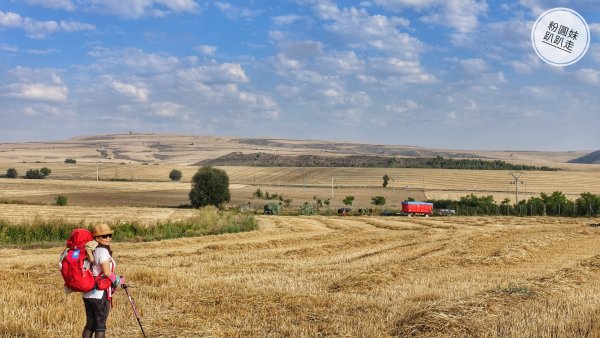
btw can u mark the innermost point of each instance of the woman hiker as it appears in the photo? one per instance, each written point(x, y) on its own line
point(99, 301)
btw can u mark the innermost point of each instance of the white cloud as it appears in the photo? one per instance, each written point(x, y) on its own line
point(361, 31)
point(35, 84)
point(40, 29)
point(37, 91)
point(402, 107)
point(215, 73)
point(47, 110)
point(133, 9)
point(134, 60)
point(166, 109)
point(235, 12)
point(301, 49)
point(403, 4)
point(136, 91)
point(10, 20)
point(527, 65)
point(206, 49)
point(123, 8)
point(473, 66)
point(589, 76)
point(54, 4)
point(285, 19)
point(461, 15)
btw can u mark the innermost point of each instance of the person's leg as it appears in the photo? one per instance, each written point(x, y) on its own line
point(90, 323)
point(101, 311)
point(87, 333)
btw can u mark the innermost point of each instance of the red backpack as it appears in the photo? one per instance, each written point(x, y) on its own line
point(75, 267)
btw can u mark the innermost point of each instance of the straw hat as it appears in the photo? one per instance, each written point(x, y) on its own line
point(102, 229)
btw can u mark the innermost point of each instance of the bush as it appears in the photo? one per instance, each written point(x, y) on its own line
point(175, 175)
point(11, 173)
point(378, 200)
point(348, 200)
point(34, 174)
point(61, 200)
point(210, 186)
point(45, 171)
point(70, 161)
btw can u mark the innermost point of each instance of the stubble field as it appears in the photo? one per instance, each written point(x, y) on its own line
point(334, 277)
point(306, 276)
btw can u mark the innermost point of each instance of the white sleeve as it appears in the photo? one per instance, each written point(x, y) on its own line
point(101, 255)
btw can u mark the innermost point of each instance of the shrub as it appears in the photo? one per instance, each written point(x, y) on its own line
point(11, 173)
point(34, 174)
point(45, 171)
point(61, 200)
point(175, 175)
point(348, 200)
point(70, 161)
point(378, 200)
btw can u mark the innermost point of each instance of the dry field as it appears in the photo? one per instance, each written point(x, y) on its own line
point(305, 276)
point(133, 170)
point(334, 277)
point(148, 185)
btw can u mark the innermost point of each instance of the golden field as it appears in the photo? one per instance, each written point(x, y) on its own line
point(334, 277)
point(133, 170)
point(304, 276)
point(148, 185)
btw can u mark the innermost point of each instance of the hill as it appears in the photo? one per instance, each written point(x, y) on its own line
point(591, 158)
point(363, 161)
point(189, 150)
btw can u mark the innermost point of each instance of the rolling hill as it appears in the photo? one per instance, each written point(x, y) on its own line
point(189, 150)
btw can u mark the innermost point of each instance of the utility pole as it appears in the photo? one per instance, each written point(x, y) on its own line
point(332, 179)
point(97, 176)
point(517, 177)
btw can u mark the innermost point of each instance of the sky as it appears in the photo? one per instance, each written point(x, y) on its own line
point(452, 74)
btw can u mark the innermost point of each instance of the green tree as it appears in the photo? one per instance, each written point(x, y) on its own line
point(11, 173)
point(175, 175)
point(378, 200)
point(45, 171)
point(258, 193)
point(386, 179)
point(348, 200)
point(210, 186)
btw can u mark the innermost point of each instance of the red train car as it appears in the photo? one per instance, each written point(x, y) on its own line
point(417, 208)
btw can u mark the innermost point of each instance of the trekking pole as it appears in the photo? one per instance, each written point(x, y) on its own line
point(135, 311)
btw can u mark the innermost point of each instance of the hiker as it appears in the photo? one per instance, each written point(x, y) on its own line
point(99, 301)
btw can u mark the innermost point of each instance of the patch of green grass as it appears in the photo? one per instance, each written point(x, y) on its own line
point(208, 221)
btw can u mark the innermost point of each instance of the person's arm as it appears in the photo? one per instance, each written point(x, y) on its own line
point(106, 267)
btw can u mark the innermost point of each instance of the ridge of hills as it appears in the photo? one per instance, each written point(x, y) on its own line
point(591, 158)
point(190, 150)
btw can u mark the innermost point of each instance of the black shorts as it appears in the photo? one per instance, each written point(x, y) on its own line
point(96, 313)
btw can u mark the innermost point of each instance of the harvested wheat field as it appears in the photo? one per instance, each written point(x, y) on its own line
point(334, 277)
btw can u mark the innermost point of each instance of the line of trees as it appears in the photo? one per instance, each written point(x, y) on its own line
point(30, 174)
point(555, 204)
point(449, 163)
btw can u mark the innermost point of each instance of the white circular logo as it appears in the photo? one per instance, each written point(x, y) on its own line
point(560, 37)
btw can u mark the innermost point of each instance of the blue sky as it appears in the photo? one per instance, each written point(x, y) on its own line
point(454, 74)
